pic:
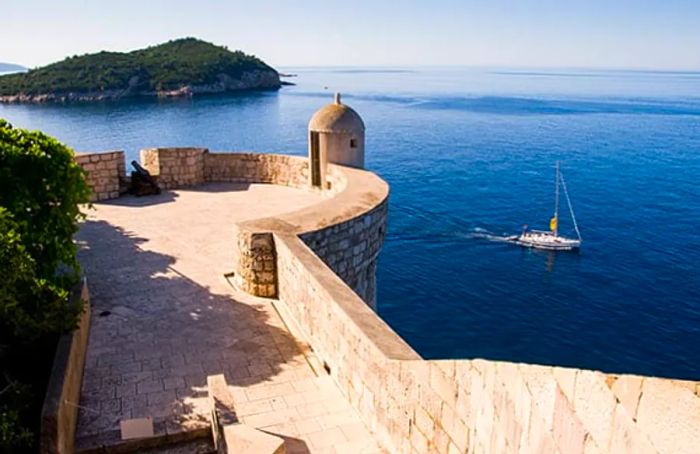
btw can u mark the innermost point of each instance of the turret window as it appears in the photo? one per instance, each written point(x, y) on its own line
point(353, 143)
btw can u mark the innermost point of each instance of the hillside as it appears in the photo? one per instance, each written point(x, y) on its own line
point(177, 68)
point(10, 67)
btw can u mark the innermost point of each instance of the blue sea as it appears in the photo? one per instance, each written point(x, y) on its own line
point(470, 157)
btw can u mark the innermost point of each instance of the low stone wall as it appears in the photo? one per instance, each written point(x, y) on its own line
point(174, 167)
point(183, 167)
point(59, 414)
point(321, 261)
point(329, 229)
point(346, 230)
point(106, 173)
point(450, 406)
point(255, 260)
point(335, 322)
point(256, 168)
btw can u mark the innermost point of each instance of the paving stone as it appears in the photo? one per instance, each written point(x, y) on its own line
point(175, 320)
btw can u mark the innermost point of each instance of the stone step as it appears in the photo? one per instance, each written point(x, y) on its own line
point(229, 435)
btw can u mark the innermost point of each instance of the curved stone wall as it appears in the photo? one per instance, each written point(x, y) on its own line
point(346, 231)
point(456, 406)
point(351, 249)
point(320, 261)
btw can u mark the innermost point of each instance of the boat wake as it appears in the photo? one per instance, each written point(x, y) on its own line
point(484, 234)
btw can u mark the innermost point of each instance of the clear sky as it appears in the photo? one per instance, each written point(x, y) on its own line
point(648, 34)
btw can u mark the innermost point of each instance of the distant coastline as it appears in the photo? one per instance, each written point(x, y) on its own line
point(9, 68)
point(180, 68)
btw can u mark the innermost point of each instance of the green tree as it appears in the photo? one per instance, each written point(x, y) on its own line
point(41, 190)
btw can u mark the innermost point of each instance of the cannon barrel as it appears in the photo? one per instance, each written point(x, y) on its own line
point(142, 183)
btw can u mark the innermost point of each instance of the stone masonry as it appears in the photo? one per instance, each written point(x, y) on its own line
point(351, 249)
point(174, 167)
point(452, 406)
point(106, 173)
point(165, 319)
point(320, 260)
point(257, 275)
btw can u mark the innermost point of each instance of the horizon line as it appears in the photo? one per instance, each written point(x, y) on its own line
point(510, 68)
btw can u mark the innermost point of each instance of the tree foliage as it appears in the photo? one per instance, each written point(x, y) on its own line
point(171, 65)
point(41, 188)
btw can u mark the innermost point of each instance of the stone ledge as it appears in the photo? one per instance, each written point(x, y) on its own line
point(231, 436)
point(361, 192)
point(242, 439)
point(112, 443)
point(337, 292)
point(59, 413)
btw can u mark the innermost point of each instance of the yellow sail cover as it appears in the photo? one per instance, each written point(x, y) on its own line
point(553, 223)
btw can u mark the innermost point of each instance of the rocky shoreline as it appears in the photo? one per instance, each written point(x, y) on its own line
point(251, 80)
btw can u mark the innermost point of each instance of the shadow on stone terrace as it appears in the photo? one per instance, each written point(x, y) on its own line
point(156, 334)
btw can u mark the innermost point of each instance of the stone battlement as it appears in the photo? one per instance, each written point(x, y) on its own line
point(106, 173)
point(319, 265)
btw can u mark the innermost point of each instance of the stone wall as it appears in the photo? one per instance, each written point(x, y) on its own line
point(59, 414)
point(255, 264)
point(351, 249)
point(255, 256)
point(320, 262)
point(346, 230)
point(454, 406)
point(174, 167)
point(256, 168)
point(106, 173)
point(182, 167)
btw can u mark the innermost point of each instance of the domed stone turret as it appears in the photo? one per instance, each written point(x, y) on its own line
point(336, 135)
point(337, 118)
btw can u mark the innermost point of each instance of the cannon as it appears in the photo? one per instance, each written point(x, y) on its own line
point(142, 183)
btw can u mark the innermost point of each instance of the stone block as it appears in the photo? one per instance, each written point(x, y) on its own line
point(628, 390)
point(542, 385)
point(594, 404)
point(568, 432)
point(242, 439)
point(626, 436)
point(418, 441)
point(424, 422)
point(446, 389)
point(539, 438)
point(566, 379)
point(669, 415)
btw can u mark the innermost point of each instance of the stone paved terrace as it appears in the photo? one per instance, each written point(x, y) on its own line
point(164, 317)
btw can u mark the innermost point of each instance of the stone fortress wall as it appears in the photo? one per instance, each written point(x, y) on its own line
point(453, 406)
point(319, 264)
point(254, 258)
point(105, 173)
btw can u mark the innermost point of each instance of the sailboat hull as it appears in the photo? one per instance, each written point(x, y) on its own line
point(546, 240)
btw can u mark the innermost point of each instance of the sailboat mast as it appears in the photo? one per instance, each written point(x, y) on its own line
point(556, 203)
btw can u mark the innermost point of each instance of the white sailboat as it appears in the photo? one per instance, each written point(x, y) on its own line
point(551, 239)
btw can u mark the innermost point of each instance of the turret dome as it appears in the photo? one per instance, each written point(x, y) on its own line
point(336, 118)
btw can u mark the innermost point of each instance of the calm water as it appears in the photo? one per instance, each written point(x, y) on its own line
point(470, 153)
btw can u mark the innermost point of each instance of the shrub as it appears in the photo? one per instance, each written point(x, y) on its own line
point(41, 188)
point(30, 306)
